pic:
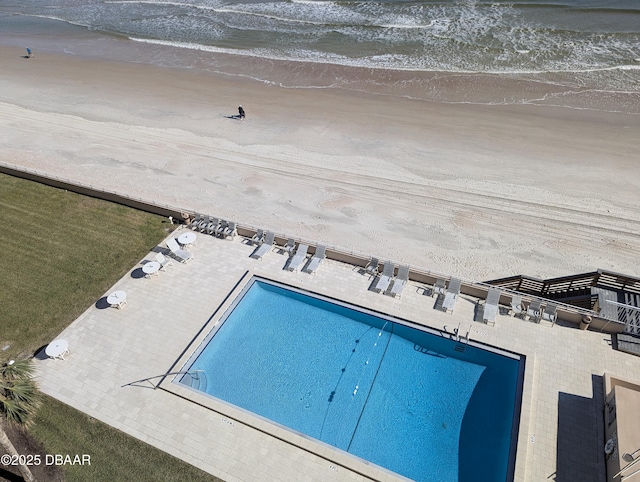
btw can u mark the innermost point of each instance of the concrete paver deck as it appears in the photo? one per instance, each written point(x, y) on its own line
point(561, 434)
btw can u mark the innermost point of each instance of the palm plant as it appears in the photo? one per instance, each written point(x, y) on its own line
point(19, 401)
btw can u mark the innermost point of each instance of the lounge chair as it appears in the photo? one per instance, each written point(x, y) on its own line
point(533, 310)
point(298, 258)
point(163, 260)
point(197, 219)
point(439, 288)
point(373, 267)
point(265, 246)
point(517, 309)
point(289, 247)
point(491, 306)
point(316, 259)
point(204, 222)
point(219, 232)
point(212, 227)
point(230, 230)
point(400, 281)
point(178, 252)
point(451, 295)
point(258, 238)
point(385, 278)
point(549, 313)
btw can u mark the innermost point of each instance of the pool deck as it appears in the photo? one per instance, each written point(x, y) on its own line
point(113, 351)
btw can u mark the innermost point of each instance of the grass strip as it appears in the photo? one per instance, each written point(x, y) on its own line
point(59, 253)
point(114, 455)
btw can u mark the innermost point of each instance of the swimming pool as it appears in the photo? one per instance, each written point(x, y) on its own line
point(414, 402)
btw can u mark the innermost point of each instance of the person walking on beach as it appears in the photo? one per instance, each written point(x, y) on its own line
point(29, 53)
point(241, 113)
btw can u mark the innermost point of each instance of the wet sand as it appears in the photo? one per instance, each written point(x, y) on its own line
point(477, 191)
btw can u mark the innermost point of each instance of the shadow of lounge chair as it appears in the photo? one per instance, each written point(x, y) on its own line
point(265, 246)
point(298, 258)
point(385, 278)
point(490, 311)
point(451, 295)
point(400, 281)
point(316, 259)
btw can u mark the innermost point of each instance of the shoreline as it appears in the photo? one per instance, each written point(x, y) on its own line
point(518, 88)
point(471, 190)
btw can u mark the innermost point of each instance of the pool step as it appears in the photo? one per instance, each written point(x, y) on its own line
point(460, 347)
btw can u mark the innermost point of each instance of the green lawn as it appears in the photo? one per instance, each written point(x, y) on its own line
point(59, 253)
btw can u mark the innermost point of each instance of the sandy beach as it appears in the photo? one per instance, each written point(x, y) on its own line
point(477, 191)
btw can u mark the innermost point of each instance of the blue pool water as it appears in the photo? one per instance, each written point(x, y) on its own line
point(399, 397)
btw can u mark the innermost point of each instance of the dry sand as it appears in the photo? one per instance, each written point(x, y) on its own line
point(476, 191)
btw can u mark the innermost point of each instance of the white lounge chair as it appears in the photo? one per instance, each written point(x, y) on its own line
point(451, 295)
point(298, 258)
point(490, 311)
point(230, 230)
point(212, 227)
point(202, 227)
point(385, 278)
point(220, 229)
point(439, 288)
point(533, 310)
point(289, 247)
point(400, 281)
point(516, 307)
point(163, 260)
point(258, 238)
point(549, 313)
point(197, 219)
point(265, 246)
point(373, 267)
point(316, 259)
point(178, 252)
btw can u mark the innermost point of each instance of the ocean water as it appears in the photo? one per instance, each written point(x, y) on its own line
point(586, 52)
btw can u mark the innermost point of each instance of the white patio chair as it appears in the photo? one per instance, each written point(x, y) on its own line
point(163, 260)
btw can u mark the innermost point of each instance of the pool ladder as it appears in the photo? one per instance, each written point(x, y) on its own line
point(461, 347)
